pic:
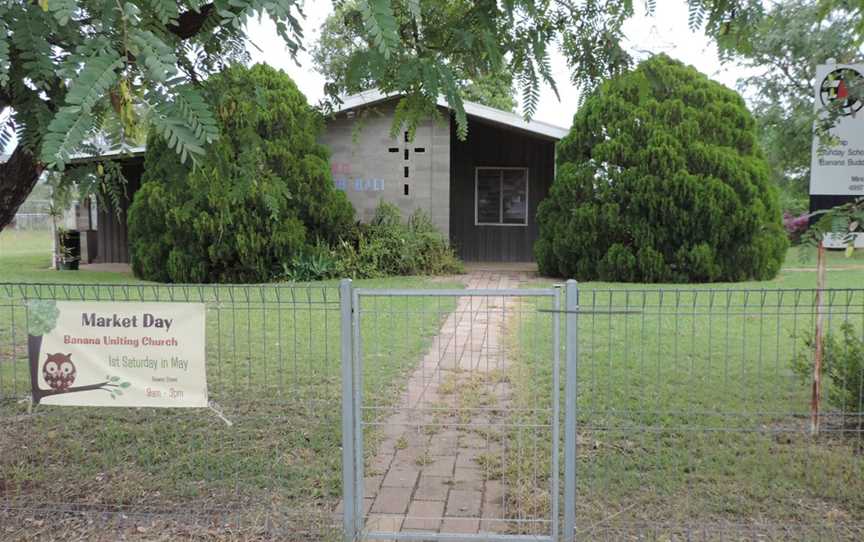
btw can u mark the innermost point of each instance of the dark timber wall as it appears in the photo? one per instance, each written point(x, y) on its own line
point(493, 146)
point(112, 242)
point(819, 202)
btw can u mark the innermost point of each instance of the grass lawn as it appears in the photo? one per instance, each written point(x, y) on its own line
point(691, 421)
point(273, 368)
point(25, 256)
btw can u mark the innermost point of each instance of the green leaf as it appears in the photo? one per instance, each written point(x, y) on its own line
point(7, 133)
point(29, 37)
point(186, 122)
point(530, 84)
point(194, 110)
point(62, 9)
point(125, 385)
point(696, 14)
point(154, 54)
point(292, 32)
point(381, 25)
point(454, 99)
point(544, 66)
point(166, 10)
point(94, 80)
point(42, 316)
point(69, 127)
point(177, 135)
point(74, 122)
point(650, 6)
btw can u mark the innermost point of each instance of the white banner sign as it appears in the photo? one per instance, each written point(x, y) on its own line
point(117, 354)
point(838, 169)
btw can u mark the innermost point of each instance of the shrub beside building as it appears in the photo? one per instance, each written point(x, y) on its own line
point(262, 204)
point(661, 180)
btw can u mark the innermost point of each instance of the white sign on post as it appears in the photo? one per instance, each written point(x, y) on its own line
point(117, 354)
point(838, 169)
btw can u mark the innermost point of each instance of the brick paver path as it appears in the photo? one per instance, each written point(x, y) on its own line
point(432, 470)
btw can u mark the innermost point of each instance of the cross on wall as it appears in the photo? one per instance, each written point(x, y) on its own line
point(406, 157)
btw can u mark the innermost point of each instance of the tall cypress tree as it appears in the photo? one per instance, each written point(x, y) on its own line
point(263, 195)
point(661, 180)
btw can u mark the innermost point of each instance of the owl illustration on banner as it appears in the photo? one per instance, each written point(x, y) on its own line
point(59, 371)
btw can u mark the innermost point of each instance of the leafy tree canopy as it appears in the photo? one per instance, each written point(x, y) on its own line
point(344, 36)
point(264, 197)
point(64, 63)
point(785, 48)
point(661, 179)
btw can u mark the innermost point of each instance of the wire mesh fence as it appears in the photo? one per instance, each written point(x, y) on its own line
point(458, 452)
point(34, 214)
point(693, 419)
point(96, 473)
point(31, 221)
point(695, 415)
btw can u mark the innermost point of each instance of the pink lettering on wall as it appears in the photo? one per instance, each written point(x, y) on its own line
point(340, 168)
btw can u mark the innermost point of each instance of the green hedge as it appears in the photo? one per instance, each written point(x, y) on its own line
point(387, 246)
point(661, 180)
point(262, 195)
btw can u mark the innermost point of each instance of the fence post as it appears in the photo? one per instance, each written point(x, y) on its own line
point(816, 395)
point(556, 409)
point(571, 352)
point(346, 334)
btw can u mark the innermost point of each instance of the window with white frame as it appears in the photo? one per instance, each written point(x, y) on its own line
point(501, 196)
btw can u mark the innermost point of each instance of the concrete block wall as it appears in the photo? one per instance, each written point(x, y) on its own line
point(370, 165)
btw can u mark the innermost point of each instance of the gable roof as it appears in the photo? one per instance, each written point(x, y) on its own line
point(472, 109)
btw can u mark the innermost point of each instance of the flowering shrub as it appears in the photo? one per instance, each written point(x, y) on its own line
point(795, 225)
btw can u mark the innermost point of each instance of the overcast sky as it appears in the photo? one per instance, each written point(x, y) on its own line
point(666, 31)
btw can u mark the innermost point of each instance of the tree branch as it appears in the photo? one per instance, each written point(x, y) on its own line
point(795, 82)
point(34, 347)
point(47, 393)
point(18, 176)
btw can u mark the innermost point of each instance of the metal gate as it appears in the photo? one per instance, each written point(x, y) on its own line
point(437, 445)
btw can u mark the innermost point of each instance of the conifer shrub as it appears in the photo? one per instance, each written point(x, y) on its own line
point(262, 196)
point(661, 180)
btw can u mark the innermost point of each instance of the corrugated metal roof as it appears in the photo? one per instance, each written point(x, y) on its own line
point(82, 158)
point(490, 114)
point(371, 97)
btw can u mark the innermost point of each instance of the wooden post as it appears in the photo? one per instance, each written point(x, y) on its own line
point(817, 356)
